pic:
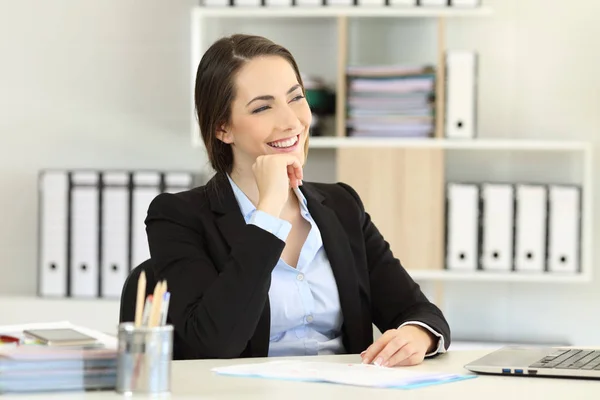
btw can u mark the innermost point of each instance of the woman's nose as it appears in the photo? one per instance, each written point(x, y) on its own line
point(287, 118)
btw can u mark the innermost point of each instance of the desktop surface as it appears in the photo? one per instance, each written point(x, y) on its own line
point(194, 380)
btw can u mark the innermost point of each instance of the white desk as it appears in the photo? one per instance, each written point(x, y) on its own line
point(194, 380)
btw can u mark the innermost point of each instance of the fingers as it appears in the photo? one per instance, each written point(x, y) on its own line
point(372, 353)
point(406, 356)
point(296, 166)
point(294, 181)
point(394, 346)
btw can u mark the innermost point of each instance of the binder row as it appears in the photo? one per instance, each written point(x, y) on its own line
point(363, 3)
point(524, 228)
point(91, 227)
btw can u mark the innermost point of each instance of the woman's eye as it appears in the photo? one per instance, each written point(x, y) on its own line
point(260, 109)
point(298, 97)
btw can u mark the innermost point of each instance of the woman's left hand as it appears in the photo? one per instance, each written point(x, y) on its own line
point(399, 347)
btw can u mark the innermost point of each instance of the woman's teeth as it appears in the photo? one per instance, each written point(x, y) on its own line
point(285, 143)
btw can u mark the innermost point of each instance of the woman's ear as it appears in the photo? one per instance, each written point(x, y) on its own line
point(224, 135)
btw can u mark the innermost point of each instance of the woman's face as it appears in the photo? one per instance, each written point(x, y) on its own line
point(269, 114)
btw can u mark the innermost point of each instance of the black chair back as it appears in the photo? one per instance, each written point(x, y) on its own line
point(129, 292)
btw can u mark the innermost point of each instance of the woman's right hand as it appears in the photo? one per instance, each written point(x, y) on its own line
point(275, 174)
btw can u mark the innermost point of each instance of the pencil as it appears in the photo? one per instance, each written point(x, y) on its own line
point(140, 300)
point(157, 304)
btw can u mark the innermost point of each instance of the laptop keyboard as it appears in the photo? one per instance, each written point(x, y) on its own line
point(570, 359)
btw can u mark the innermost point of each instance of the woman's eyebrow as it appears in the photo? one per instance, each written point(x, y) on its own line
point(269, 97)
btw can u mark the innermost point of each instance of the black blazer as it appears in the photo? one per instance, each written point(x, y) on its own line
point(218, 270)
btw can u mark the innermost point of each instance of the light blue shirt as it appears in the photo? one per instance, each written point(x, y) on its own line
point(306, 316)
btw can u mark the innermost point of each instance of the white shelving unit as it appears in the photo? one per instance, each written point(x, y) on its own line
point(201, 37)
point(331, 146)
point(339, 11)
point(327, 142)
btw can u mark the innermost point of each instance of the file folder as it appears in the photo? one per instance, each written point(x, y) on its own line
point(146, 186)
point(372, 3)
point(403, 3)
point(465, 3)
point(53, 267)
point(435, 3)
point(114, 266)
point(309, 3)
point(497, 222)
point(530, 227)
point(461, 88)
point(247, 3)
point(216, 3)
point(177, 181)
point(339, 2)
point(462, 226)
point(278, 3)
point(85, 211)
point(564, 229)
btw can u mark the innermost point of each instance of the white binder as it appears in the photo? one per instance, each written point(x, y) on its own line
point(53, 230)
point(465, 3)
point(309, 3)
point(84, 234)
point(216, 3)
point(564, 229)
point(247, 3)
point(461, 88)
point(339, 2)
point(435, 3)
point(497, 222)
point(114, 264)
point(146, 186)
point(178, 181)
point(373, 3)
point(530, 228)
point(462, 233)
point(278, 3)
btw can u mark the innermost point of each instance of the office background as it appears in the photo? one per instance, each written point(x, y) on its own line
point(106, 85)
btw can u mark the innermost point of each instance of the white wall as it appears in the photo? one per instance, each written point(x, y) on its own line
point(100, 84)
point(106, 84)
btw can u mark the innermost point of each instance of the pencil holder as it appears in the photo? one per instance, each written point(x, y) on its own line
point(144, 359)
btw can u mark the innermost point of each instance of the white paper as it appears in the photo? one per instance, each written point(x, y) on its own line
point(367, 375)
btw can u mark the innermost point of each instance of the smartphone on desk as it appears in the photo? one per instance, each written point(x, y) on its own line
point(63, 337)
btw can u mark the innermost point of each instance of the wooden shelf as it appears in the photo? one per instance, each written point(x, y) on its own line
point(497, 277)
point(450, 144)
point(340, 11)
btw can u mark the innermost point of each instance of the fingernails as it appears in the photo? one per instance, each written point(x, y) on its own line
point(378, 361)
point(300, 183)
point(363, 353)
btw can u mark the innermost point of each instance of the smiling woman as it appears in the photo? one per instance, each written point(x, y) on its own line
point(260, 263)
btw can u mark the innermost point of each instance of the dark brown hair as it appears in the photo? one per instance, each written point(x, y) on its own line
point(215, 88)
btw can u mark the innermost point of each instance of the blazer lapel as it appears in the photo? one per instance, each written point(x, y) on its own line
point(339, 253)
point(230, 222)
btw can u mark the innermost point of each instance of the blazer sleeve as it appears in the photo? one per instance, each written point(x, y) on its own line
point(395, 297)
point(214, 311)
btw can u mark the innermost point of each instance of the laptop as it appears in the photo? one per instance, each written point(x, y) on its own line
point(540, 361)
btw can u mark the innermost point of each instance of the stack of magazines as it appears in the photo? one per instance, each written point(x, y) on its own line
point(45, 368)
point(391, 101)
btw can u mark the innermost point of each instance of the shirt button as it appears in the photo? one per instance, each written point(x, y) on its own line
point(309, 319)
point(300, 277)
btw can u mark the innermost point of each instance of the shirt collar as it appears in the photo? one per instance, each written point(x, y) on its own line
point(246, 206)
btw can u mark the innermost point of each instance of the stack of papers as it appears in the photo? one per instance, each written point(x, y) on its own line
point(32, 367)
point(42, 368)
point(367, 375)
